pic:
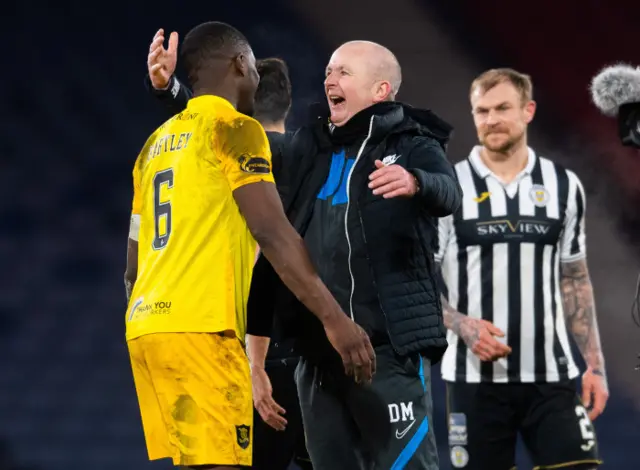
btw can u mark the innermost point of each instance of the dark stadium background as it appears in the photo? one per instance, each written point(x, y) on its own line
point(74, 114)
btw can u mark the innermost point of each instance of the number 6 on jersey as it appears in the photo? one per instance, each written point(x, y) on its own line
point(162, 210)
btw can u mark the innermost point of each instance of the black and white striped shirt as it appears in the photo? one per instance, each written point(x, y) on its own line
point(500, 256)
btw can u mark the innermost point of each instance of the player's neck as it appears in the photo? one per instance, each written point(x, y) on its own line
point(507, 165)
point(217, 91)
point(274, 127)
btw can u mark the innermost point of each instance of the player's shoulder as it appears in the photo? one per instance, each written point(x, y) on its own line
point(462, 166)
point(147, 148)
point(242, 138)
point(464, 163)
point(560, 169)
point(551, 163)
point(240, 130)
point(239, 123)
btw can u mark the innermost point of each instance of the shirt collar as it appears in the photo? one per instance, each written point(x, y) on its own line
point(484, 171)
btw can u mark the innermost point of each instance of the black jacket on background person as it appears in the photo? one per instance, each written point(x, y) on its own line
point(388, 244)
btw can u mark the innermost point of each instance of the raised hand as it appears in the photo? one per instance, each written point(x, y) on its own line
point(161, 62)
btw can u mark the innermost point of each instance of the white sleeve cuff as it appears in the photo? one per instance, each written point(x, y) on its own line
point(134, 227)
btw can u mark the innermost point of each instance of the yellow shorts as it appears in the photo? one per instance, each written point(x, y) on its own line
point(194, 391)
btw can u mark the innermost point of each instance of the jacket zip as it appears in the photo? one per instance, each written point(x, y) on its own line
point(346, 215)
point(375, 285)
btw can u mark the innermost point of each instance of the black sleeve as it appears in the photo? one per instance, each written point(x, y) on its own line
point(266, 285)
point(276, 145)
point(439, 188)
point(174, 98)
point(261, 304)
point(280, 160)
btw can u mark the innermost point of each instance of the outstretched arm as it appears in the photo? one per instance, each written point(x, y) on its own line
point(174, 98)
point(429, 178)
point(438, 187)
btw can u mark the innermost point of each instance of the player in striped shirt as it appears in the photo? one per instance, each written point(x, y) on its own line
point(513, 260)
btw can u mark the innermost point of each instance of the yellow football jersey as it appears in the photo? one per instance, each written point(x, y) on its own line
point(195, 252)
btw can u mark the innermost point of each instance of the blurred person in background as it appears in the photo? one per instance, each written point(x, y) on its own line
point(514, 262)
point(279, 438)
point(189, 264)
point(387, 281)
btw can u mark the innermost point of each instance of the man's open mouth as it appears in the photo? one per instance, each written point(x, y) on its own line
point(335, 100)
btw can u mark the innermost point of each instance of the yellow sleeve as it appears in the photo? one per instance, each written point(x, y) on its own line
point(136, 206)
point(245, 154)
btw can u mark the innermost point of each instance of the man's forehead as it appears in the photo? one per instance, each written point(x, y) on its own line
point(496, 95)
point(344, 58)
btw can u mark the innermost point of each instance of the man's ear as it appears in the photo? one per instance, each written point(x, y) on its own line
point(382, 91)
point(530, 111)
point(240, 64)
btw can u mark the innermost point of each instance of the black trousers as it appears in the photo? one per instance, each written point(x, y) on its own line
point(382, 426)
point(485, 419)
point(275, 450)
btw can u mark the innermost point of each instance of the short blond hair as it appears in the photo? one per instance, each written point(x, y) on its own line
point(491, 78)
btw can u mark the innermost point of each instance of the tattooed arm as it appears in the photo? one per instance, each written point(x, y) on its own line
point(479, 335)
point(577, 299)
point(580, 315)
point(458, 322)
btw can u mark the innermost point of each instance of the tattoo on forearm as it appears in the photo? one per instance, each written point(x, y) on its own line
point(580, 312)
point(452, 318)
point(459, 323)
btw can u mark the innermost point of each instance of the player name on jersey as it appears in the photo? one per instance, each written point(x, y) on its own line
point(170, 143)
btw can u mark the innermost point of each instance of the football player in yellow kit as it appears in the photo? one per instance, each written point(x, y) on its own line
point(203, 196)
